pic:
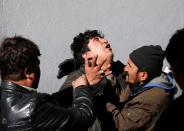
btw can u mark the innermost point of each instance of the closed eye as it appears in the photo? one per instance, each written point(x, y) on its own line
point(96, 38)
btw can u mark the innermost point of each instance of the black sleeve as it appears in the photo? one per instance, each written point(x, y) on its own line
point(64, 97)
point(65, 67)
point(49, 115)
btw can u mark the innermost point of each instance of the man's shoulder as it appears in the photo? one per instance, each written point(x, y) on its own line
point(70, 77)
point(159, 87)
point(154, 97)
point(155, 92)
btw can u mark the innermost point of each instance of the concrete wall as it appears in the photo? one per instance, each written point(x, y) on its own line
point(52, 24)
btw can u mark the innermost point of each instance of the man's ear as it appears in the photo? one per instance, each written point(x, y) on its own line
point(84, 55)
point(28, 73)
point(143, 76)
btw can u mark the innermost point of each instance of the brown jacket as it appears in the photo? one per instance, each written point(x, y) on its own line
point(141, 111)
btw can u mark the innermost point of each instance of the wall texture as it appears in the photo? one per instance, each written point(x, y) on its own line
point(127, 24)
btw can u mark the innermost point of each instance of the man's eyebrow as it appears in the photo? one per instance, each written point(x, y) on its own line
point(129, 64)
point(93, 38)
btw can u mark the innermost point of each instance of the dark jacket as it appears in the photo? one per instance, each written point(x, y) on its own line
point(24, 110)
point(104, 120)
point(117, 110)
point(172, 118)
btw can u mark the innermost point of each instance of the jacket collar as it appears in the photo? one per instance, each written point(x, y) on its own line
point(13, 86)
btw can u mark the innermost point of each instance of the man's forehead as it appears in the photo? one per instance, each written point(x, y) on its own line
point(130, 62)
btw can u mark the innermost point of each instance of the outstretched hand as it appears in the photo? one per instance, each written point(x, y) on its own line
point(94, 73)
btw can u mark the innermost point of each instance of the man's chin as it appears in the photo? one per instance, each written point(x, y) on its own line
point(130, 83)
point(127, 80)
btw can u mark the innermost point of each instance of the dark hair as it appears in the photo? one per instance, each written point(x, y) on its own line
point(80, 45)
point(16, 54)
point(174, 50)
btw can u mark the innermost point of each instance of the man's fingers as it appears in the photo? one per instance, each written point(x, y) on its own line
point(108, 73)
point(107, 67)
point(101, 63)
point(87, 63)
point(105, 74)
point(94, 58)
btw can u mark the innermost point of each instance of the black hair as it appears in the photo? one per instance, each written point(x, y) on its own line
point(174, 49)
point(17, 53)
point(80, 45)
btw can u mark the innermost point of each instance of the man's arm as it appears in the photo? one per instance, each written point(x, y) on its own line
point(142, 111)
point(131, 117)
point(80, 115)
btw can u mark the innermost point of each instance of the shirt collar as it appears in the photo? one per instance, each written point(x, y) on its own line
point(28, 88)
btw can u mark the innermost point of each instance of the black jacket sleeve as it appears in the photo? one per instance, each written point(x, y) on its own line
point(49, 115)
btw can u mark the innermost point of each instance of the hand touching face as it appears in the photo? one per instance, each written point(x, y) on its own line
point(94, 73)
point(101, 47)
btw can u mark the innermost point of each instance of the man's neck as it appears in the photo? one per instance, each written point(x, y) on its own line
point(107, 62)
point(21, 83)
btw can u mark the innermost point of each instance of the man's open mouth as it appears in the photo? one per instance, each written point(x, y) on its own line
point(108, 46)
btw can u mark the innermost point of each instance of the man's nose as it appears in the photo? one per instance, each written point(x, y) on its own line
point(126, 68)
point(104, 40)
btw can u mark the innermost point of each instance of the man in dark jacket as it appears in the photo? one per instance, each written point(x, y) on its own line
point(171, 119)
point(22, 108)
point(113, 104)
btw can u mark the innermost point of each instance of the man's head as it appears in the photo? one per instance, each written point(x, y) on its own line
point(174, 55)
point(144, 64)
point(91, 41)
point(19, 61)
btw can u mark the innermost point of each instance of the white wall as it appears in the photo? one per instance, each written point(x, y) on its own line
point(52, 24)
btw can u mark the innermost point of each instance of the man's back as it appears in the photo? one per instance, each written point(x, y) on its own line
point(31, 111)
point(17, 105)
